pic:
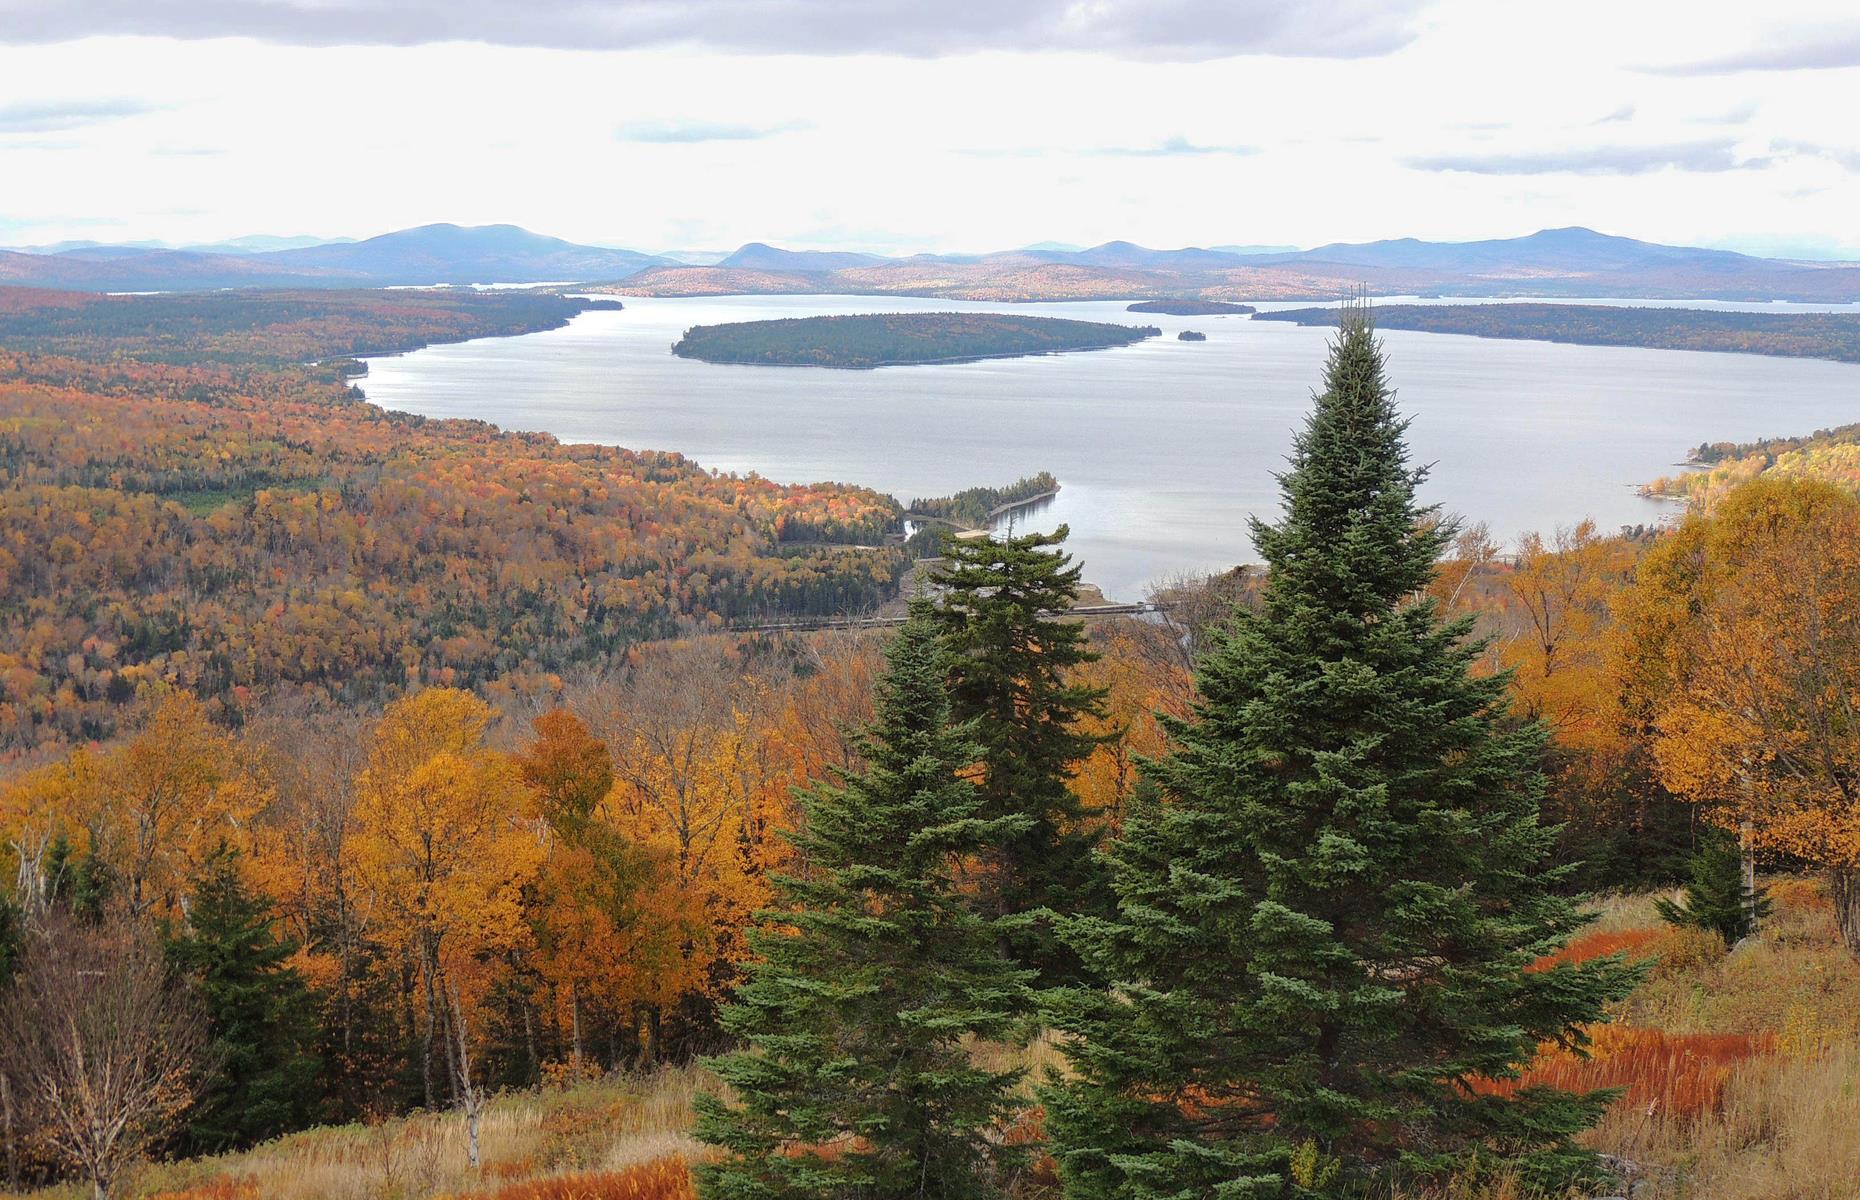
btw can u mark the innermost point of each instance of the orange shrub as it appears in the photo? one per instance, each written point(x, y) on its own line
point(225, 1187)
point(1679, 1075)
point(661, 1179)
point(1635, 943)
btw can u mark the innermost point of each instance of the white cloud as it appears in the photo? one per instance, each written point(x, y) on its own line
point(689, 147)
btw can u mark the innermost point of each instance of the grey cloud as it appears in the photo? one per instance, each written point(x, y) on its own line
point(1168, 29)
point(1624, 113)
point(1808, 50)
point(685, 132)
point(48, 116)
point(1715, 155)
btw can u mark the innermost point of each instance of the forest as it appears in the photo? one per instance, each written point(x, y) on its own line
point(1406, 866)
point(894, 339)
point(1791, 335)
point(206, 520)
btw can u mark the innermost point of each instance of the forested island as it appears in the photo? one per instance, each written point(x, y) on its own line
point(1190, 308)
point(1191, 335)
point(1788, 335)
point(869, 340)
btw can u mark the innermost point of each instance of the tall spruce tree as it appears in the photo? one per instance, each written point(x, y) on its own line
point(1322, 929)
point(855, 1081)
point(260, 1015)
point(1012, 676)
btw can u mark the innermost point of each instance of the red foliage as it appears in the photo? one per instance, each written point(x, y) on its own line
point(1679, 1075)
point(1635, 943)
point(661, 1179)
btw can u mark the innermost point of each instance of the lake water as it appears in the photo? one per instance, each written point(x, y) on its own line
point(1162, 448)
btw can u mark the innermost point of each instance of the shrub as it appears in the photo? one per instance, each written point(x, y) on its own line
point(1669, 1075)
point(661, 1179)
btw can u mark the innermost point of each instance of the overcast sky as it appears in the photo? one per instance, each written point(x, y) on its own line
point(949, 125)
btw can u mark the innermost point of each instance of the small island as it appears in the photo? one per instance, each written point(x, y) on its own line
point(1190, 308)
point(1191, 335)
point(898, 339)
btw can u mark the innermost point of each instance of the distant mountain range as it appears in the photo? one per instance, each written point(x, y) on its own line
point(429, 254)
point(1550, 263)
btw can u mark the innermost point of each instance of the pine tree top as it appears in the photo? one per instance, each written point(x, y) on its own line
point(1354, 538)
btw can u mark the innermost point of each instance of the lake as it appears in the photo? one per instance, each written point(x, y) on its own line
point(1162, 449)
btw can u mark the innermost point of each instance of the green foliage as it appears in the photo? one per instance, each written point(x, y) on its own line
point(1715, 896)
point(894, 339)
point(260, 1015)
point(976, 506)
point(1321, 930)
point(874, 972)
point(1011, 676)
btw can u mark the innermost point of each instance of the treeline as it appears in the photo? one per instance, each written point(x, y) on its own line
point(237, 530)
point(275, 328)
point(888, 339)
point(1791, 335)
point(973, 507)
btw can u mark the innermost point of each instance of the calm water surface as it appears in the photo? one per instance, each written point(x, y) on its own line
point(1162, 448)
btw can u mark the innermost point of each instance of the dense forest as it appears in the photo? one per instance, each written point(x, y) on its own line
point(1189, 308)
point(1790, 335)
point(973, 507)
point(894, 339)
point(1404, 867)
point(204, 519)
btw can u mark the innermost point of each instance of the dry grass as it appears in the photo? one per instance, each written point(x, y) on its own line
point(660, 1179)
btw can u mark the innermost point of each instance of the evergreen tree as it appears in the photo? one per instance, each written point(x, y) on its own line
point(1011, 676)
point(1716, 898)
point(856, 1082)
point(260, 1015)
point(1322, 929)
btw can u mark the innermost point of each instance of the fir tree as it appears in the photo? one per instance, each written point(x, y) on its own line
point(855, 1081)
point(1321, 931)
point(260, 1015)
point(1717, 898)
point(1011, 675)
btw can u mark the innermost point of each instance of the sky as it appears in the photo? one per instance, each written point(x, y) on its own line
point(949, 125)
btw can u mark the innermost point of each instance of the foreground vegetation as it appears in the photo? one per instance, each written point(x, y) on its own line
point(897, 339)
point(1738, 1067)
point(1792, 335)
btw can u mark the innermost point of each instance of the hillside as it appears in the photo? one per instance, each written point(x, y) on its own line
point(183, 504)
point(897, 339)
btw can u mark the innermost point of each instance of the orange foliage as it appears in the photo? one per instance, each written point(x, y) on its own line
point(224, 1187)
point(1668, 1074)
point(661, 1179)
point(1635, 943)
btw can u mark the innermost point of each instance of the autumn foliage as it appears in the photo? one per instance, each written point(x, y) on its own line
point(661, 1179)
point(1665, 1074)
